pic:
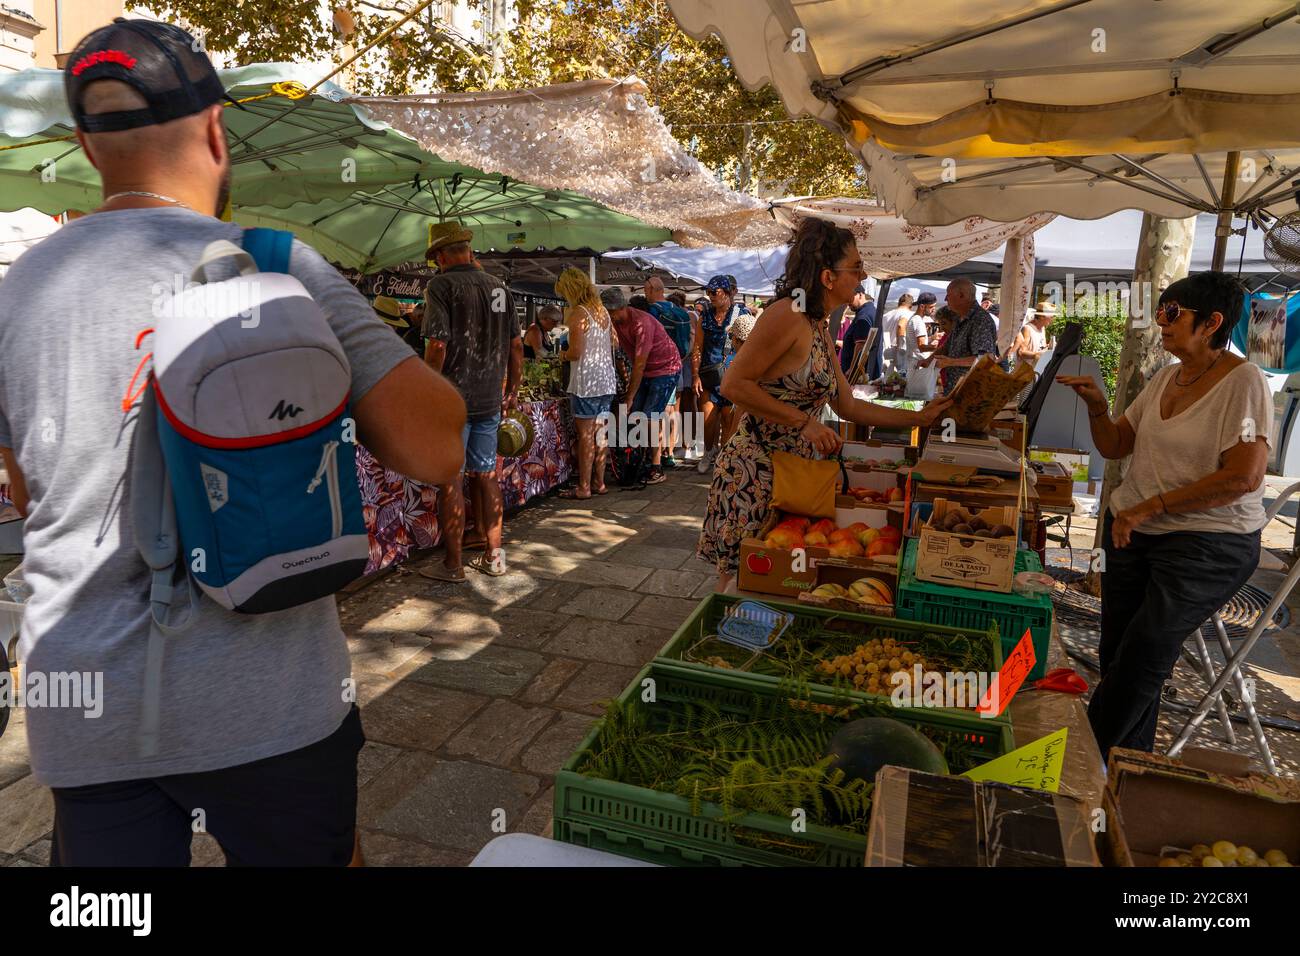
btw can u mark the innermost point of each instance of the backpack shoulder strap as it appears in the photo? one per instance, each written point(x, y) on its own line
point(270, 248)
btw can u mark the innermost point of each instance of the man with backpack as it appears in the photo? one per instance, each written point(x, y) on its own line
point(678, 323)
point(255, 734)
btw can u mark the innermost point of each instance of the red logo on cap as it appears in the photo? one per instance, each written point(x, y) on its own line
point(103, 56)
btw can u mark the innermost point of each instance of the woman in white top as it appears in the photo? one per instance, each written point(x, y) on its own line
point(1181, 534)
point(592, 382)
point(1031, 340)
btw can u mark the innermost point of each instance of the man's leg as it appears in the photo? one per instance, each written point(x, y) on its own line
point(451, 516)
point(124, 823)
point(481, 467)
point(491, 509)
point(295, 809)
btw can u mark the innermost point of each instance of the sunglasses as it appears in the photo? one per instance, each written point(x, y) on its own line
point(1170, 312)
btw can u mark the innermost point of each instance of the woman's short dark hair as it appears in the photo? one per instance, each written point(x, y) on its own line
point(678, 299)
point(818, 244)
point(1205, 293)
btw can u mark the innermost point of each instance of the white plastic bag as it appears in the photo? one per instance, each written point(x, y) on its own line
point(922, 382)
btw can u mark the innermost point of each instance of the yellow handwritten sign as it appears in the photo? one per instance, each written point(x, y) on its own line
point(1037, 765)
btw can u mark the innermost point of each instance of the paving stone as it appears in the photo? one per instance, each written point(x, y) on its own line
point(19, 861)
point(26, 814)
point(418, 716)
point(463, 632)
point(13, 747)
point(38, 852)
point(373, 759)
point(708, 586)
point(598, 572)
point(555, 744)
point(381, 653)
point(500, 732)
point(607, 604)
point(538, 819)
point(380, 849)
point(659, 611)
point(494, 671)
point(696, 563)
point(392, 785)
point(461, 805)
point(674, 538)
point(596, 683)
point(648, 556)
point(549, 682)
point(628, 644)
point(546, 563)
point(556, 596)
point(667, 508)
point(683, 584)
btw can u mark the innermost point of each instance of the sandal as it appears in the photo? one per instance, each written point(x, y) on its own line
point(600, 491)
point(571, 494)
point(440, 572)
point(655, 477)
point(485, 565)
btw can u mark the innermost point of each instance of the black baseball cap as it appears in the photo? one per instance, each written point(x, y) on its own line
point(162, 62)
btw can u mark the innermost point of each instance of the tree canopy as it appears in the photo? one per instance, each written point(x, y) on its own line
point(747, 137)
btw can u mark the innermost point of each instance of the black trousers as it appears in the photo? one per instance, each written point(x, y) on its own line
point(1154, 594)
point(295, 809)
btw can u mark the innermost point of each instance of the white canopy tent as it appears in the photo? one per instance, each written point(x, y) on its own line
point(1008, 108)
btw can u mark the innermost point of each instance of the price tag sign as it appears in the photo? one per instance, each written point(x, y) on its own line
point(1008, 680)
point(1036, 765)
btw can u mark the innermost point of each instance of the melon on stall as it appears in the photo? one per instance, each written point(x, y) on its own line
point(861, 747)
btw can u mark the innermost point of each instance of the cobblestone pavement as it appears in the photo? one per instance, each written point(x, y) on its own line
point(473, 695)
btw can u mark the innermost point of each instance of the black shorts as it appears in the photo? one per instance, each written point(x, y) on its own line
point(295, 809)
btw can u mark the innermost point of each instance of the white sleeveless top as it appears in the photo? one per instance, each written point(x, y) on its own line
point(592, 376)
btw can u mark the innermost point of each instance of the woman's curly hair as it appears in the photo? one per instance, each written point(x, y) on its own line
point(818, 244)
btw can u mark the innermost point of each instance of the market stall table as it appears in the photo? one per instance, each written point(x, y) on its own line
point(402, 514)
point(1037, 713)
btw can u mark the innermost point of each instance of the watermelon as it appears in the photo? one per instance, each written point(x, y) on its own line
point(861, 747)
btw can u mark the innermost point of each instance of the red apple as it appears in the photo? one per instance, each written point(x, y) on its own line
point(797, 522)
point(857, 528)
point(868, 536)
point(815, 539)
point(841, 534)
point(890, 533)
point(824, 526)
point(882, 548)
point(895, 494)
point(759, 563)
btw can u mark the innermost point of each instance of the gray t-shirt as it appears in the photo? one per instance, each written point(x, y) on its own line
point(235, 687)
point(474, 314)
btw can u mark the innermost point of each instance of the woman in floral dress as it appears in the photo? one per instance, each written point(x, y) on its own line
point(782, 380)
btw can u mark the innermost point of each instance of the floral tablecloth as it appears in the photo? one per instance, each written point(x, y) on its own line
point(402, 515)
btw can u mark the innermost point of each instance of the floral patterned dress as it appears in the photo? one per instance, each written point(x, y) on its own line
point(742, 476)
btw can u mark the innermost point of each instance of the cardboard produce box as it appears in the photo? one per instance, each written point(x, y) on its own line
point(965, 560)
point(1009, 431)
point(780, 571)
point(1153, 802)
point(1055, 483)
point(845, 571)
point(922, 819)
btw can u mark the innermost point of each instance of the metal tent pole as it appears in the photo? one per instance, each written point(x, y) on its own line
point(1223, 229)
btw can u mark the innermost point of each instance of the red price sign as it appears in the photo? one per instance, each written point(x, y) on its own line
point(1014, 671)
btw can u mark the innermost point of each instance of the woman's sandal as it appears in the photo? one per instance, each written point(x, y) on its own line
point(571, 494)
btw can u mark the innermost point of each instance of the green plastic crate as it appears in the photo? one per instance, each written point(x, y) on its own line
point(857, 628)
point(963, 607)
point(660, 828)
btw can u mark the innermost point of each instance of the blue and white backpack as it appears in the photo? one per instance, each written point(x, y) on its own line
point(251, 391)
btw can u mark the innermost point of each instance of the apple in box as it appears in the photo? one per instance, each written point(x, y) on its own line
point(785, 538)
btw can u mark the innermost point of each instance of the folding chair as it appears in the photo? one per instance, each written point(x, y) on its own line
point(1232, 669)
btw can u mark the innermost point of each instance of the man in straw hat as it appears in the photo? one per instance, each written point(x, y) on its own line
point(271, 757)
point(472, 336)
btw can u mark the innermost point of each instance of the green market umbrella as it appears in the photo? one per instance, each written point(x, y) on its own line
point(370, 231)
